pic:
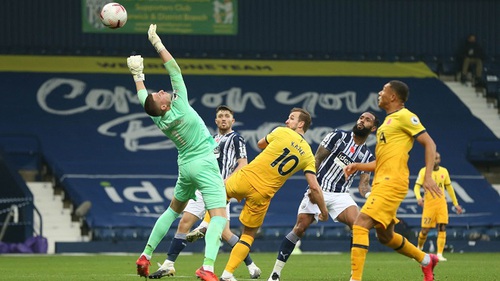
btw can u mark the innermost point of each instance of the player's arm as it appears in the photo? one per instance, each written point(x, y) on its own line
point(136, 67)
point(416, 190)
point(430, 154)
point(354, 167)
point(320, 155)
point(262, 143)
point(418, 185)
point(316, 194)
point(364, 185)
point(451, 192)
point(169, 62)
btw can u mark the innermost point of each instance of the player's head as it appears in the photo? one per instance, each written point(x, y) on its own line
point(401, 89)
point(157, 104)
point(299, 119)
point(393, 92)
point(437, 160)
point(224, 118)
point(367, 123)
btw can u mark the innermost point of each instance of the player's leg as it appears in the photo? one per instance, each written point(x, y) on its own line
point(193, 212)
point(251, 217)
point(200, 230)
point(239, 252)
point(306, 215)
point(232, 239)
point(360, 244)
point(209, 182)
point(344, 209)
point(160, 228)
point(289, 242)
point(441, 241)
point(422, 237)
point(400, 244)
point(442, 220)
point(427, 223)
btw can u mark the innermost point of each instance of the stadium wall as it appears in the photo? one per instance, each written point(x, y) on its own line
point(300, 29)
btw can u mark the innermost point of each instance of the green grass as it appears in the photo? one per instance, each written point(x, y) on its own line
point(385, 266)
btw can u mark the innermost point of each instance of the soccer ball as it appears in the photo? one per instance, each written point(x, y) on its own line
point(113, 15)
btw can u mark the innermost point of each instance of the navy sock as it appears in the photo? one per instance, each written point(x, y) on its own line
point(178, 244)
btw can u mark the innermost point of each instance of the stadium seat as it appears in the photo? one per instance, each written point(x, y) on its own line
point(493, 233)
point(449, 66)
point(484, 152)
point(432, 62)
point(103, 234)
point(335, 233)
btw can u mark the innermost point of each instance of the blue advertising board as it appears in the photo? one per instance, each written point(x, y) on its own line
point(103, 148)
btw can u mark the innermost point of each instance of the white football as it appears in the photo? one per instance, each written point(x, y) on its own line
point(113, 15)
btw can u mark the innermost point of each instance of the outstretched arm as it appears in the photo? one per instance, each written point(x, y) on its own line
point(156, 42)
point(354, 167)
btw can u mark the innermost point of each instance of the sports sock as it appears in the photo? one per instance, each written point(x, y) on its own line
point(212, 239)
point(421, 239)
point(178, 244)
point(441, 241)
point(239, 252)
point(162, 225)
point(287, 246)
point(360, 243)
point(399, 244)
point(232, 241)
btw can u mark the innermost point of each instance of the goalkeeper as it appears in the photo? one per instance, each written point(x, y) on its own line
point(198, 167)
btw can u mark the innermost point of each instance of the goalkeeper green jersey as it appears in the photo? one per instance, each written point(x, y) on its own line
point(182, 124)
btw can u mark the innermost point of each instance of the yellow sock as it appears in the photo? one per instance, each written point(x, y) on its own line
point(421, 240)
point(359, 249)
point(441, 241)
point(404, 247)
point(239, 253)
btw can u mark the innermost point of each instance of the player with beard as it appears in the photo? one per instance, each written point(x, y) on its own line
point(338, 149)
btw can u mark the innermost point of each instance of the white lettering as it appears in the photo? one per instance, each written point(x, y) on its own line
point(151, 194)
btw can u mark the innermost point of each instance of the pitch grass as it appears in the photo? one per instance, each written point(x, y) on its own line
point(385, 266)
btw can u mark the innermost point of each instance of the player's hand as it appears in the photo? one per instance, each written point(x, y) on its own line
point(323, 216)
point(431, 186)
point(420, 202)
point(155, 39)
point(349, 170)
point(458, 209)
point(136, 66)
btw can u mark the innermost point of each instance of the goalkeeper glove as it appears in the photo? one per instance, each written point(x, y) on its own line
point(135, 64)
point(155, 39)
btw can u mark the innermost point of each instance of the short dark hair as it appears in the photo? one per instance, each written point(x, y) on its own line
point(224, 107)
point(151, 108)
point(376, 121)
point(402, 90)
point(303, 116)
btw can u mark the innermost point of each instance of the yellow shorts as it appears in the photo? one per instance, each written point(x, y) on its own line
point(383, 203)
point(433, 214)
point(255, 208)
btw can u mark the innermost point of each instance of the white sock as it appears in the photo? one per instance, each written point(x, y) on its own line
point(278, 266)
point(426, 260)
point(226, 274)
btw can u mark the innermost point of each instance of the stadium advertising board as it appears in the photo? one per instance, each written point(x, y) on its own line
point(103, 147)
point(195, 17)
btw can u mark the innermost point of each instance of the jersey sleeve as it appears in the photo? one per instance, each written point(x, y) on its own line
point(180, 99)
point(412, 124)
point(142, 95)
point(240, 147)
point(449, 188)
point(330, 140)
point(418, 183)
